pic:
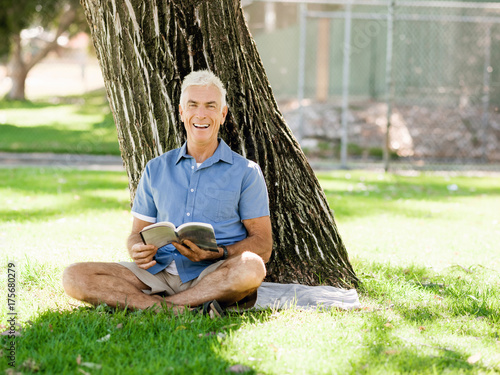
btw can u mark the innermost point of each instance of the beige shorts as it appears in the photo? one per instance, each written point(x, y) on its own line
point(164, 282)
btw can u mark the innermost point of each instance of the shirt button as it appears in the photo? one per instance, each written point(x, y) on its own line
point(192, 190)
point(192, 167)
point(188, 214)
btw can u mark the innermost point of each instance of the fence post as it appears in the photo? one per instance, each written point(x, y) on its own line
point(389, 83)
point(302, 67)
point(486, 92)
point(345, 83)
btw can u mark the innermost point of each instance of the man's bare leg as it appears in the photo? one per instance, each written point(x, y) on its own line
point(109, 283)
point(117, 286)
point(235, 279)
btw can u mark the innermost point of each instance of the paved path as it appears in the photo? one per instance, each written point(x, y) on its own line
point(114, 163)
point(92, 162)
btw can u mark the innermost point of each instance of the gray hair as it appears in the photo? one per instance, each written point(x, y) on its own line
point(203, 78)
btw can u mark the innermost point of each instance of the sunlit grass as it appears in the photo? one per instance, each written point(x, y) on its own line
point(424, 247)
point(82, 124)
point(434, 220)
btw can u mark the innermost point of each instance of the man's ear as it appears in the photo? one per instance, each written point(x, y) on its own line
point(224, 114)
point(180, 110)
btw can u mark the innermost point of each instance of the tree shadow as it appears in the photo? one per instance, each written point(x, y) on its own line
point(125, 341)
point(53, 192)
point(59, 180)
point(50, 138)
point(456, 290)
point(411, 298)
point(83, 203)
point(95, 97)
point(52, 131)
point(421, 188)
point(355, 198)
point(404, 354)
point(27, 104)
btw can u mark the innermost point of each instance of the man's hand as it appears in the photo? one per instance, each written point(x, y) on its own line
point(143, 255)
point(194, 253)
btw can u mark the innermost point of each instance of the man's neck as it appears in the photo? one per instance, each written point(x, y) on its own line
point(201, 152)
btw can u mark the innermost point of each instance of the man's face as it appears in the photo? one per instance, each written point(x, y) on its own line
point(202, 114)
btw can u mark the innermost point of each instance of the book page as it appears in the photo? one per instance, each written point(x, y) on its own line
point(159, 234)
point(202, 234)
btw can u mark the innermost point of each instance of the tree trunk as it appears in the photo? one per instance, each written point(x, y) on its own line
point(18, 71)
point(20, 65)
point(146, 47)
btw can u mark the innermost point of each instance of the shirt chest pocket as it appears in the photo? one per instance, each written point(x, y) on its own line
point(220, 205)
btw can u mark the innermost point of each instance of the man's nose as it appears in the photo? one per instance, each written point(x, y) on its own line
point(201, 112)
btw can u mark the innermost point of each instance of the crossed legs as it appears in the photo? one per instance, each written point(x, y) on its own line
point(117, 286)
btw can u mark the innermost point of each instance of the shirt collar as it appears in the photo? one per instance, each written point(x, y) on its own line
point(222, 153)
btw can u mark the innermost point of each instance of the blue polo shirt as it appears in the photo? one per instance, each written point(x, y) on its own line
point(223, 191)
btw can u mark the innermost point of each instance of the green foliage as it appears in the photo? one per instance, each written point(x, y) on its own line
point(21, 14)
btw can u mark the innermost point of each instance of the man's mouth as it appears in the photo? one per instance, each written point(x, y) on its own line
point(201, 126)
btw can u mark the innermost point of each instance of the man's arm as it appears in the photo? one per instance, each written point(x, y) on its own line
point(258, 241)
point(141, 254)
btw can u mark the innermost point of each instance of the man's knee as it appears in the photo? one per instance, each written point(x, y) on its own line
point(249, 270)
point(78, 277)
point(256, 263)
point(73, 278)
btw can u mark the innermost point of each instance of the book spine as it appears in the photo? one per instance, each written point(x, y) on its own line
point(143, 240)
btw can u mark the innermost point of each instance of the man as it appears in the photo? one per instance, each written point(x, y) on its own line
point(201, 181)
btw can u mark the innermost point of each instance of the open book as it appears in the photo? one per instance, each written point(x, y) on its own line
point(162, 233)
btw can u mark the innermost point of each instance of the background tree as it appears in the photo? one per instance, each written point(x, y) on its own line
point(19, 15)
point(146, 47)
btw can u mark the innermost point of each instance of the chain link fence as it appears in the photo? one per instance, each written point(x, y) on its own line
point(405, 84)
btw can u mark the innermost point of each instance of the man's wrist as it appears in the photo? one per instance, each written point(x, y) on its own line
point(225, 253)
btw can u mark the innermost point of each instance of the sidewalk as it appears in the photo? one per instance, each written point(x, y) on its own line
point(114, 163)
point(90, 162)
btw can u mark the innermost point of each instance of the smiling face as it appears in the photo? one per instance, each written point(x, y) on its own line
point(202, 115)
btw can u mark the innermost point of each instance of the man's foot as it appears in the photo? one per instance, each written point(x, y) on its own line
point(210, 308)
point(162, 306)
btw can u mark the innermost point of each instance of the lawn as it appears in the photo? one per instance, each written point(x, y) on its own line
point(79, 125)
point(425, 248)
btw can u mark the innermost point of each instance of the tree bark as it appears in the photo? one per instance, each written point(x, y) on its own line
point(146, 47)
point(18, 71)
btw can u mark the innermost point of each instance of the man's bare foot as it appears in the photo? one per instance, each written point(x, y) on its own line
point(162, 305)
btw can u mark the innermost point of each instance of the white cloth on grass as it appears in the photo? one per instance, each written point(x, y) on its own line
point(286, 296)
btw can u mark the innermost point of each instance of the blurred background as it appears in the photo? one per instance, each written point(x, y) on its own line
point(361, 83)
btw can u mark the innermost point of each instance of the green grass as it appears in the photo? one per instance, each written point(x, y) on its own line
point(424, 247)
point(79, 125)
point(434, 220)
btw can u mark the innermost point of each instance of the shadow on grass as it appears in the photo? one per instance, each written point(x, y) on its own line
point(424, 187)
point(102, 140)
point(419, 295)
point(58, 180)
point(95, 97)
point(127, 342)
point(456, 303)
point(366, 196)
point(39, 194)
point(124, 342)
point(61, 125)
point(63, 207)
point(27, 104)
point(385, 352)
